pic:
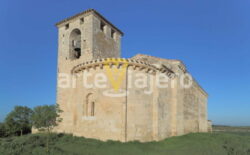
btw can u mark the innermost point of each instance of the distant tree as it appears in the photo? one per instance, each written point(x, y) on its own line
point(18, 121)
point(2, 130)
point(45, 118)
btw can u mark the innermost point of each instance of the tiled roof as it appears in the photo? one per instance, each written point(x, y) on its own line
point(153, 57)
point(90, 11)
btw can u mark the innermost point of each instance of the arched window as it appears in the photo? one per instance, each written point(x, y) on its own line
point(90, 105)
point(75, 44)
point(92, 108)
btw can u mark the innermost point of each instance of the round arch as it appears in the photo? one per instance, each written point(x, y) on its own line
point(75, 42)
point(90, 105)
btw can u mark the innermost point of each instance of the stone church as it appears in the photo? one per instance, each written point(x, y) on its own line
point(106, 97)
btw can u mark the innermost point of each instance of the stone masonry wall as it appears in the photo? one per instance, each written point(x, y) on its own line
point(135, 116)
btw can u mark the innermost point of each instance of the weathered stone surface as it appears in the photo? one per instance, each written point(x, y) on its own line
point(137, 115)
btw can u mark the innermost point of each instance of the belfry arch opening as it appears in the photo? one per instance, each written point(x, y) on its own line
point(75, 43)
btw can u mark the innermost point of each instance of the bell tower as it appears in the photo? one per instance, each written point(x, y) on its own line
point(87, 36)
point(83, 37)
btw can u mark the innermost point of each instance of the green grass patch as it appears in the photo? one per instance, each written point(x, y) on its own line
point(218, 143)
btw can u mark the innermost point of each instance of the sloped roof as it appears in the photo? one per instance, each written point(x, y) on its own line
point(90, 11)
point(173, 62)
point(153, 57)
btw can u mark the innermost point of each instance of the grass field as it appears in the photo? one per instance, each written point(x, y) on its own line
point(221, 128)
point(218, 143)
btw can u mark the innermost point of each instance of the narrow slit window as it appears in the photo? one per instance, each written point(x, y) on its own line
point(93, 109)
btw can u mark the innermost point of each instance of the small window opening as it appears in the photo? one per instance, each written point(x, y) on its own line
point(67, 26)
point(93, 109)
point(102, 26)
point(113, 33)
point(77, 48)
point(90, 106)
point(81, 20)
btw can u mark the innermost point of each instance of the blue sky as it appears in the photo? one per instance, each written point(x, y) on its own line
point(212, 37)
